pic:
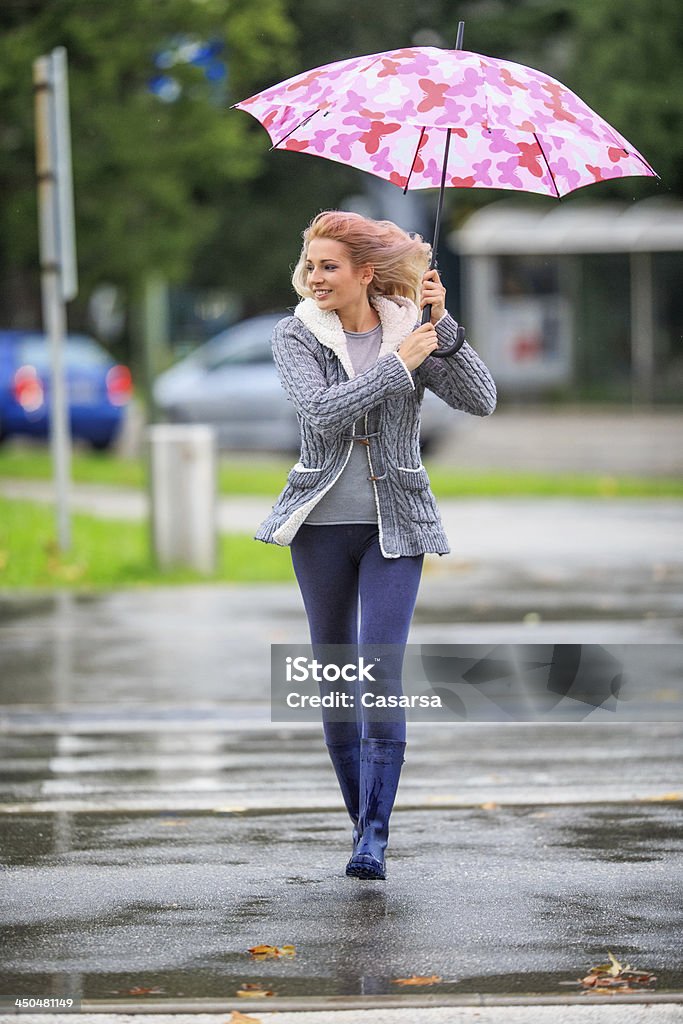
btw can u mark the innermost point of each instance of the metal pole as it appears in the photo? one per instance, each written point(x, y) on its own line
point(427, 311)
point(437, 226)
point(642, 329)
point(54, 316)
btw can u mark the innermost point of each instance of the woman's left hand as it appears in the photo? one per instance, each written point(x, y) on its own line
point(433, 293)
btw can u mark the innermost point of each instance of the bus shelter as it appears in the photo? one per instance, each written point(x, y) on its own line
point(582, 301)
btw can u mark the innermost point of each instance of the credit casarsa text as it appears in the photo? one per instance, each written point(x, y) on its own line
point(341, 699)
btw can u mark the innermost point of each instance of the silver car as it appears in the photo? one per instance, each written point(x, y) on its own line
point(231, 383)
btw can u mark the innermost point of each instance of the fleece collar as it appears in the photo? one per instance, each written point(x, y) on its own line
point(397, 315)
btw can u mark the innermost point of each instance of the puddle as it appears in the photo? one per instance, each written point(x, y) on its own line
point(643, 835)
point(219, 979)
point(96, 905)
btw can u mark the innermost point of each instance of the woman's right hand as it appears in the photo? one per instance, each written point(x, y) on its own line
point(418, 345)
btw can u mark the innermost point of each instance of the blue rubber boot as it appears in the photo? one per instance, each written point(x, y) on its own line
point(380, 770)
point(345, 759)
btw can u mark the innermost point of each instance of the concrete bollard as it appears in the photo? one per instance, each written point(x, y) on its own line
point(183, 495)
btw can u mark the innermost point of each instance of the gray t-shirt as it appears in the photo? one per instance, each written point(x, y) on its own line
point(352, 498)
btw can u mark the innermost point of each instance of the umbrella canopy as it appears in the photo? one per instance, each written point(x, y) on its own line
point(393, 113)
point(423, 117)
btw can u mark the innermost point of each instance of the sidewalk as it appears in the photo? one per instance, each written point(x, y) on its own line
point(613, 440)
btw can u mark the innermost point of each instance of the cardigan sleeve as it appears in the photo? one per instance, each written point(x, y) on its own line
point(330, 408)
point(462, 380)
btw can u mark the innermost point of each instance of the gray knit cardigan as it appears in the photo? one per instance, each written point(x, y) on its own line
point(313, 363)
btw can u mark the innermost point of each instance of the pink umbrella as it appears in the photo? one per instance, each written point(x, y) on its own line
point(422, 117)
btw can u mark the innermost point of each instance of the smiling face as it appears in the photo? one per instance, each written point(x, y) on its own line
point(332, 278)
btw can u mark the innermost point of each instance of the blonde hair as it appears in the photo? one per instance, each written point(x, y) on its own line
point(398, 259)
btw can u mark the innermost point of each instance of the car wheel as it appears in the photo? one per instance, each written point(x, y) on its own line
point(101, 444)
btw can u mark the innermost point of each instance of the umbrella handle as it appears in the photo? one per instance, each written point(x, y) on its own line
point(441, 353)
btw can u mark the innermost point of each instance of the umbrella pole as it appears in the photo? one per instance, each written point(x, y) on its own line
point(427, 311)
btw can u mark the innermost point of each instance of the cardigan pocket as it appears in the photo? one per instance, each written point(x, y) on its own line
point(301, 476)
point(412, 479)
point(415, 502)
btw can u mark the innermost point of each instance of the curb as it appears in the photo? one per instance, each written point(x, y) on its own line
point(332, 1003)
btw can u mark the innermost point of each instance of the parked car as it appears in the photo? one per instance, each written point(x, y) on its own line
point(98, 389)
point(231, 383)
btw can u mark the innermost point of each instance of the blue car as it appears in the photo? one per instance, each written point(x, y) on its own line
point(98, 388)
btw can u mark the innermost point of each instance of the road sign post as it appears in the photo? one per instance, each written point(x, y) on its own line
point(57, 256)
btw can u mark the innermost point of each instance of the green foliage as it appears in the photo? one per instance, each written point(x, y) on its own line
point(147, 174)
point(189, 189)
point(604, 50)
point(255, 251)
point(628, 64)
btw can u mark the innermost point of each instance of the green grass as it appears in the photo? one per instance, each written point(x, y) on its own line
point(266, 476)
point(499, 484)
point(110, 553)
point(35, 463)
point(236, 476)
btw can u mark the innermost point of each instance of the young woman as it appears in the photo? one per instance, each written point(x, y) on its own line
point(357, 510)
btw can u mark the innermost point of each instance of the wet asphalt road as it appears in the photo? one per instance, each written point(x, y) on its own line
point(155, 824)
point(507, 901)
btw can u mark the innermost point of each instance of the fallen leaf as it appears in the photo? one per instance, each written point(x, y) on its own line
point(615, 976)
point(415, 979)
point(662, 797)
point(242, 1018)
point(615, 967)
point(265, 952)
point(253, 990)
point(489, 805)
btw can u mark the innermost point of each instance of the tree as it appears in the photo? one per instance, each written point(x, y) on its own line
point(292, 188)
point(190, 189)
point(628, 64)
point(147, 173)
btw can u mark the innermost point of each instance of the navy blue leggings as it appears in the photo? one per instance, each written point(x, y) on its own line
point(337, 567)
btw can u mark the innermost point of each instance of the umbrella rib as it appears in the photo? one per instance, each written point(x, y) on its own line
point(552, 176)
point(620, 143)
point(643, 161)
point(412, 166)
point(296, 128)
